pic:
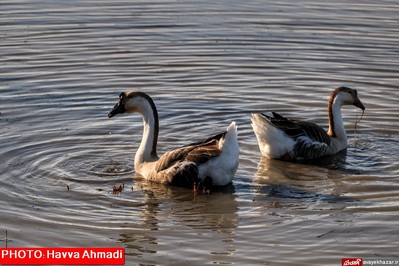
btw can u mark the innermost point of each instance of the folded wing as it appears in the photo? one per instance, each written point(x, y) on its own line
point(312, 141)
point(180, 166)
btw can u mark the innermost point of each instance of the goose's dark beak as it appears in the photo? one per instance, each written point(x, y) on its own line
point(119, 108)
point(359, 104)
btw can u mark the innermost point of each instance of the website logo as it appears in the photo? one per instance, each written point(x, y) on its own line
point(352, 262)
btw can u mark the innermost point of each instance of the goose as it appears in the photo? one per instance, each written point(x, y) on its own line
point(208, 163)
point(293, 140)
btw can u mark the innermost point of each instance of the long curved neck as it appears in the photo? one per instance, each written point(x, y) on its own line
point(336, 124)
point(147, 151)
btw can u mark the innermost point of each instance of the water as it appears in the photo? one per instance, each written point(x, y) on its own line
point(64, 63)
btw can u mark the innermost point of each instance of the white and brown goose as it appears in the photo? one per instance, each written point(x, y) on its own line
point(212, 162)
point(292, 140)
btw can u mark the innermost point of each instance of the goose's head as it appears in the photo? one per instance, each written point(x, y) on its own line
point(131, 102)
point(346, 96)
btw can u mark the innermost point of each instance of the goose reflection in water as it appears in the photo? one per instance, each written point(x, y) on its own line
point(168, 214)
point(318, 181)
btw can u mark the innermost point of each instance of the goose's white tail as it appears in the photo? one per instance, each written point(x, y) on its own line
point(273, 143)
point(230, 143)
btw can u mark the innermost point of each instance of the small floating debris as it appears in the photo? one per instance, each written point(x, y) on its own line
point(68, 188)
point(118, 189)
point(111, 169)
point(276, 204)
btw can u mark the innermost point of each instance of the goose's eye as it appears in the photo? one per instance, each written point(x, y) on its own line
point(122, 95)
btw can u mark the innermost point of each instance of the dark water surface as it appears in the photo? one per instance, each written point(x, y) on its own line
point(207, 63)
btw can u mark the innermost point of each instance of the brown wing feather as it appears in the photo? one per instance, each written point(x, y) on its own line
point(171, 157)
point(210, 140)
point(198, 153)
point(203, 153)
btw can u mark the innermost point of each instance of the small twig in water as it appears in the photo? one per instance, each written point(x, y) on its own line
point(5, 239)
point(326, 233)
point(357, 121)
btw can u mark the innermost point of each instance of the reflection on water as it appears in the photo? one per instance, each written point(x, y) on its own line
point(205, 63)
point(311, 182)
point(174, 218)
